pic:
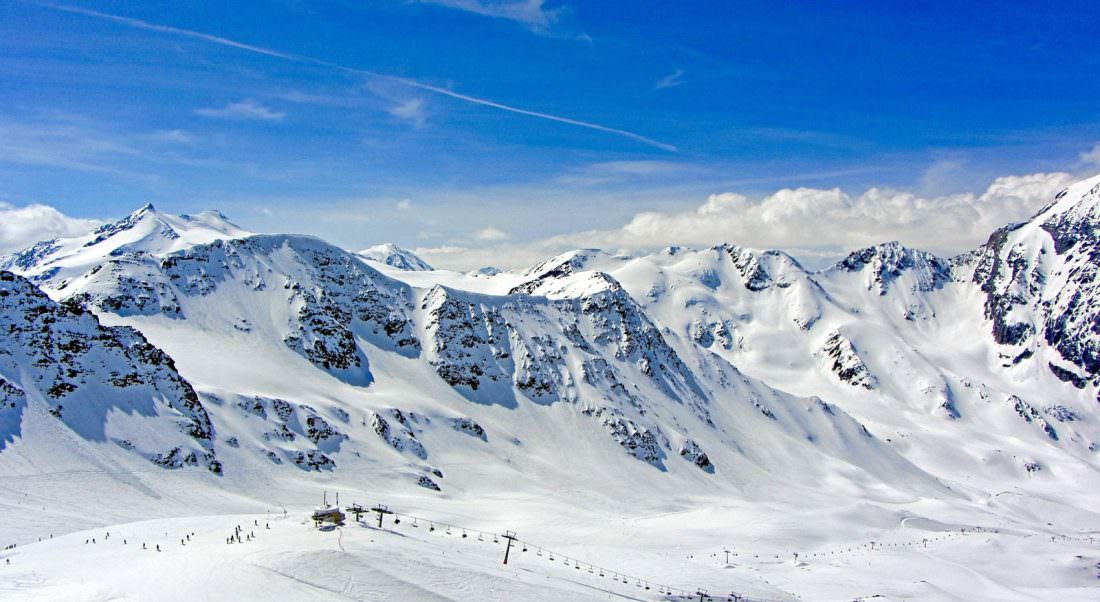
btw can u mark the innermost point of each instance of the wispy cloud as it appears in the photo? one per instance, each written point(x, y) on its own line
point(671, 80)
point(405, 204)
point(177, 136)
point(607, 172)
point(411, 110)
point(532, 13)
point(198, 35)
point(245, 109)
point(63, 145)
point(490, 233)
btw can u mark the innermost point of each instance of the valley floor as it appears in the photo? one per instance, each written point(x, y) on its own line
point(426, 558)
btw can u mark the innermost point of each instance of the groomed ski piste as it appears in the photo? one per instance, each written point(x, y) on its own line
point(427, 550)
point(711, 423)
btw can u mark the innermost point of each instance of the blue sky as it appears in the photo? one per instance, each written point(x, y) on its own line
point(473, 125)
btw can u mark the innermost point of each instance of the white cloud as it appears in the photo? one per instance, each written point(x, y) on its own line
point(489, 233)
point(671, 80)
point(811, 223)
point(529, 12)
point(410, 110)
point(1092, 157)
point(405, 204)
point(245, 109)
point(808, 217)
point(21, 227)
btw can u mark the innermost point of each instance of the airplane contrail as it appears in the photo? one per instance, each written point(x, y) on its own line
point(298, 58)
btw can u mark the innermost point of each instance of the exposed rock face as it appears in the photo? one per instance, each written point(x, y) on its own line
point(846, 364)
point(426, 482)
point(885, 263)
point(469, 342)
point(1042, 281)
point(59, 355)
point(468, 426)
point(1032, 415)
point(690, 451)
point(313, 460)
point(647, 444)
point(761, 270)
point(401, 438)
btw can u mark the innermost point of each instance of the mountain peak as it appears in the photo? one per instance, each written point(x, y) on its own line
point(146, 230)
point(1074, 215)
point(888, 261)
point(396, 257)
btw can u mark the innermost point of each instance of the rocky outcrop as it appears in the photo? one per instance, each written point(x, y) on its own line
point(84, 371)
point(399, 437)
point(887, 262)
point(846, 363)
point(690, 451)
point(1042, 281)
point(468, 426)
point(1032, 416)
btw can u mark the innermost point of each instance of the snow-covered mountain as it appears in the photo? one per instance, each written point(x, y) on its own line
point(60, 366)
point(321, 318)
point(395, 256)
point(724, 373)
